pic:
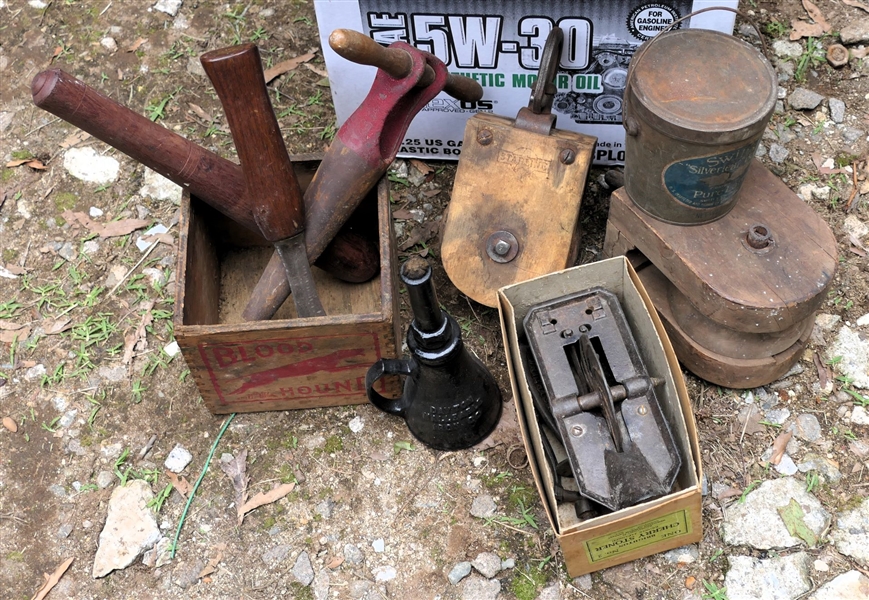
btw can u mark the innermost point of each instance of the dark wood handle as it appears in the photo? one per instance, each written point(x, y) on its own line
point(212, 179)
point(361, 49)
point(271, 185)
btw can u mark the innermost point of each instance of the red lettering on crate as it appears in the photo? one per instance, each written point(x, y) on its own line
point(329, 362)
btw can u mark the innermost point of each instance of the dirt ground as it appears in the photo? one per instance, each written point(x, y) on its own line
point(81, 411)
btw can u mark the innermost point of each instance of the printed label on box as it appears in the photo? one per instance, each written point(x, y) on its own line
point(288, 367)
point(632, 538)
point(500, 44)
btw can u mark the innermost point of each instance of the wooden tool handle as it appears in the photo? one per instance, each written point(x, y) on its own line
point(270, 182)
point(361, 49)
point(212, 179)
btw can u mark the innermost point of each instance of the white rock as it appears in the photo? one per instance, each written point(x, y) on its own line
point(780, 578)
point(786, 49)
point(143, 244)
point(757, 523)
point(109, 44)
point(159, 188)
point(87, 165)
point(130, 528)
point(37, 4)
point(116, 275)
point(378, 545)
point(386, 573)
point(863, 321)
point(820, 566)
point(852, 585)
point(178, 459)
point(487, 563)
point(356, 424)
point(5, 120)
point(95, 212)
point(854, 226)
point(854, 350)
point(170, 7)
point(859, 416)
point(172, 349)
point(851, 533)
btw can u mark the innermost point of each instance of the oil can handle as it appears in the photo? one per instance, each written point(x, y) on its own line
point(383, 367)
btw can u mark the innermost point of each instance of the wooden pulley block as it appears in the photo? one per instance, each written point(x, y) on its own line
point(517, 194)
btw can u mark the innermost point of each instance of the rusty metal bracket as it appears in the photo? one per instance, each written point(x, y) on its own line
point(618, 443)
point(537, 116)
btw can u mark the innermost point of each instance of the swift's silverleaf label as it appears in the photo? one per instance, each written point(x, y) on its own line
point(709, 181)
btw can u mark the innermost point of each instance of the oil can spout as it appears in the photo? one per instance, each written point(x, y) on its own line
point(428, 318)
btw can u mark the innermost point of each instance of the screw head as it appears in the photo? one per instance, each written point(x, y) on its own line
point(502, 247)
point(577, 431)
point(567, 156)
point(642, 410)
point(484, 137)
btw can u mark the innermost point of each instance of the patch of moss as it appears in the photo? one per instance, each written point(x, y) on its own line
point(7, 175)
point(300, 592)
point(65, 201)
point(521, 497)
point(333, 444)
point(9, 255)
point(16, 556)
point(21, 154)
point(269, 522)
point(527, 582)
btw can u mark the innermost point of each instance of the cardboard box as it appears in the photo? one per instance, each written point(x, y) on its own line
point(284, 363)
point(499, 44)
point(647, 528)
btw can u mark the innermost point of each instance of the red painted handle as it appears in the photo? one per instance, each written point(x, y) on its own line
point(270, 183)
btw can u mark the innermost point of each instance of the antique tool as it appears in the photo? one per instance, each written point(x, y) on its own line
point(450, 400)
point(210, 178)
point(270, 182)
point(738, 296)
point(602, 399)
point(738, 289)
point(517, 193)
point(365, 145)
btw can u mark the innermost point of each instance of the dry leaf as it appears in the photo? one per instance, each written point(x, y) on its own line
point(50, 582)
point(317, 70)
point(9, 336)
point(402, 214)
point(10, 326)
point(856, 4)
point(728, 493)
point(824, 374)
point(110, 229)
point(135, 45)
point(261, 499)
point(431, 193)
point(816, 15)
point(335, 562)
point(17, 163)
point(197, 110)
point(57, 326)
point(9, 424)
point(421, 234)
point(690, 582)
point(749, 421)
point(131, 340)
point(211, 566)
point(33, 163)
point(860, 52)
point(15, 269)
point(76, 137)
point(165, 238)
point(236, 471)
point(421, 166)
point(801, 29)
point(779, 446)
point(181, 485)
point(287, 65)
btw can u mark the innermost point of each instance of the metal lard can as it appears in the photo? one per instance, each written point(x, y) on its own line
point(696, 105)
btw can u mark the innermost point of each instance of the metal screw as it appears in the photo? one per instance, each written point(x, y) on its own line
point(484, 137)
point(577, 431)
point(567, 333)
point(502, 247)
point(567, 156)
point(583, 328)
point(642, 410)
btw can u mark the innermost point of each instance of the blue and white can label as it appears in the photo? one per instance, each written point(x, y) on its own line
point(709, 181)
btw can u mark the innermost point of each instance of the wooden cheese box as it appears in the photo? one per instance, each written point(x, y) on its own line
point(644, 529)
point(283, 363)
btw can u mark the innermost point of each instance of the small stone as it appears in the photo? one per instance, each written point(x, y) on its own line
point(827, 471)
point(852, 134)
point(786, 465)
point(760, 152)
point(105, 479)
point(780, 578)
point(172, 349)
point(57, 490)
point(821, 566)
point(356, 424)
point(68, 418)
point(807, 428)
point(302, 570)
point(358, 588)
point(109, 44)
point(159, 188)
point(116, 275)
point(130, 528)
point(852, 585)
point(87, 165)
point(855, 31)
point(90, 247)
point(163, 551)
point(682, 556)
point(194, 67)
point(487, 563)
point(483, 507)
point(851, 533)
point(187, 574)
point(583, 582)
point(384, 573)
point(477, 588)
point(459, 572)
point(550, 592)
point(113, 374)
point(778, 153)
point(353, 555)
point(155, 276)
point(837, 110)
point(59, 403)
point(757, 523)
point(67, 252)
point(178, 459)
point(276, 555)
point(143, 244)
point(378, 545)
point(857, 228)
point(64, 530)
point(826, 321)
point(325, 508)
point(5, 120)
point(859, 448)
point(786, 49)
point(803, 99)
point(854, 352)
point(508, 563)
point(777, 415)
point(859, 416)
point(863, 321)
point(170, 7)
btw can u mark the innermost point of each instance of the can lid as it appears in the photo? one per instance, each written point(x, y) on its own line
point(693, 81)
